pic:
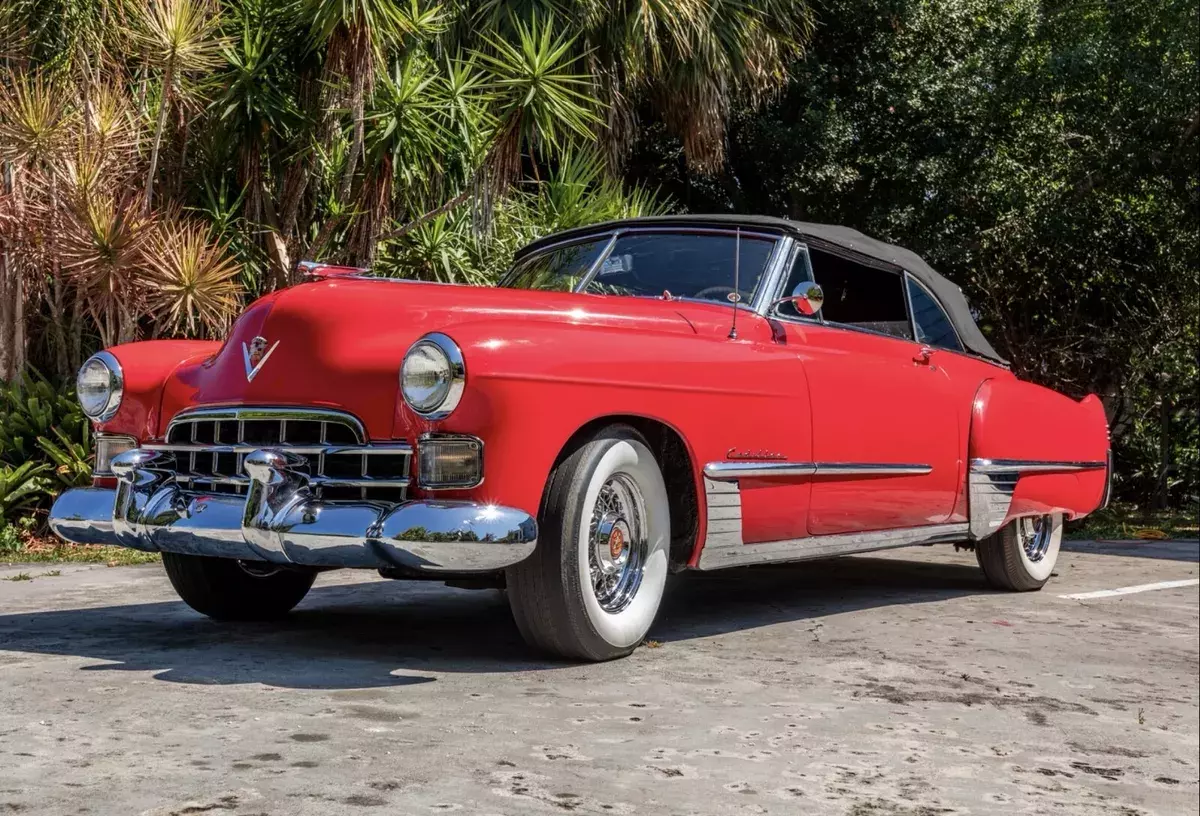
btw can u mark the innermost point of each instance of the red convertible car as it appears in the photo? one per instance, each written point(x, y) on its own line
point(633, 399)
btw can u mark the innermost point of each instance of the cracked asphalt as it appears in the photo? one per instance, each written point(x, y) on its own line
point(896, 685)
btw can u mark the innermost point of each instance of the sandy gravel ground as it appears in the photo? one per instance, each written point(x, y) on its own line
point(888, 686)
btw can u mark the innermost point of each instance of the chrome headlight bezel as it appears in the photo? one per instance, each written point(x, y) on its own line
point(106, 410)
point(452, 381)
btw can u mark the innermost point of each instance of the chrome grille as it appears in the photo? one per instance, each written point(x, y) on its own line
point(210, 446)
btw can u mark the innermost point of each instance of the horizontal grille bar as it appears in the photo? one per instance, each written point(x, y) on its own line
point(385, 449)
point(210, 446)
point(312, 480)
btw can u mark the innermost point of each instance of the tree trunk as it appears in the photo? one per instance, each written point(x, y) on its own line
point(12, 297)
point(1162, 488)
point(358, 111)
point(163, 105)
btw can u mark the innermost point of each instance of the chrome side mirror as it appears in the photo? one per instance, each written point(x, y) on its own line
point(807, 298)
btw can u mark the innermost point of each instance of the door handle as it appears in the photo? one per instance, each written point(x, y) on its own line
point(923, 356)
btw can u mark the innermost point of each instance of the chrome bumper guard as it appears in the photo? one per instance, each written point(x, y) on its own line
point(280, 521)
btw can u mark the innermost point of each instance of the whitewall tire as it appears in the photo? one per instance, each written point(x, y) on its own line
point(592, 588)
point(1022, 556)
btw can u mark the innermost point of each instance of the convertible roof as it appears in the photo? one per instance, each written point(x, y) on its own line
point(822, 236)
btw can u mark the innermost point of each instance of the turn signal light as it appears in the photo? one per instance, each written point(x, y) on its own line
point(450, 461)
point(108, 447)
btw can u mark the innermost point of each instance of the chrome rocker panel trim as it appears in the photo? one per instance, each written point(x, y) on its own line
point(724, 547)
point(279, 521)
point(992, 482)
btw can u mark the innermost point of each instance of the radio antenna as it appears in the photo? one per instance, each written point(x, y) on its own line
point(735, 296)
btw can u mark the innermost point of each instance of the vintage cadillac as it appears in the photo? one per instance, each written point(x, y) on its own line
point(634, 399)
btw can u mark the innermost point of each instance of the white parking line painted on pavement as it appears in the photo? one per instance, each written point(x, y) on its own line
point(1129, 590)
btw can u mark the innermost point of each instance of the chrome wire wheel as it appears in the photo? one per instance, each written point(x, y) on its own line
point(1036, 536)
point(617, 543)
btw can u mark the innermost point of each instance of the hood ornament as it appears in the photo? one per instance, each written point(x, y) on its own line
point(255, 356)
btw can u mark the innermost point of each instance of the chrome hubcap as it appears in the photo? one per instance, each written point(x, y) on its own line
point(617, 545)
point(1035, 537)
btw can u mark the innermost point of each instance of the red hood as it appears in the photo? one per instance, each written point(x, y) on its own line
point(341, 341)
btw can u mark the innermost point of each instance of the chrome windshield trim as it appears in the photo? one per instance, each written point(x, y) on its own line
point(780, 239)
point(732, 471)
point(1033, 465)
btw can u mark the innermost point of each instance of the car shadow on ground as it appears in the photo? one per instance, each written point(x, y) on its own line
point(377, 634)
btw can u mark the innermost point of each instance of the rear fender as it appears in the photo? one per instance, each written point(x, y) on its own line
point(1034, 451)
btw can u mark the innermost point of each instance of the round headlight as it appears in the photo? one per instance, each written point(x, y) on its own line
point(433, 376)
point(100, 386)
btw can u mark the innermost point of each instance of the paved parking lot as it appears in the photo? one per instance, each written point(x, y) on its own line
point(869, 686)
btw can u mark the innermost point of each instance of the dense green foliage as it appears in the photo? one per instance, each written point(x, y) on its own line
point(1042, 154)
point(166, 160)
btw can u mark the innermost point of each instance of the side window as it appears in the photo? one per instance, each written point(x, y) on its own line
point(861, 296)
point(801, 272)
point(933, 327)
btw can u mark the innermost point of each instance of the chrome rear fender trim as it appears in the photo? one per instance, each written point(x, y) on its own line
point(992, 482)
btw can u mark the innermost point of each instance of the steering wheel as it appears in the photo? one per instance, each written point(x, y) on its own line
point(704, 294)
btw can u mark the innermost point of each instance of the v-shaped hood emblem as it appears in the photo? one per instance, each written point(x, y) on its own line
point(255, 356)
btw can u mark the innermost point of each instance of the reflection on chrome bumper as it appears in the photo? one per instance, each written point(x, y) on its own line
point(280, 521)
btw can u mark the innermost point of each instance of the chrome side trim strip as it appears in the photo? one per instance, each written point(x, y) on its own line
point(1032, 466)
point(732, 471)
point(828, 546)
point(992, 482)
point(871, 469)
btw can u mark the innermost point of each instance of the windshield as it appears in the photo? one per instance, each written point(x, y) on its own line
point(649, 264)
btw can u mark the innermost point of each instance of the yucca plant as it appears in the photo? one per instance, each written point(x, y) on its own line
point(543, 99)
point(355, 35)
point(178, 38)
point(191, 281)
point(101, 245)
point(35, 118)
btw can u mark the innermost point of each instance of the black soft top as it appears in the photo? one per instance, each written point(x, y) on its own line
point(821, 236)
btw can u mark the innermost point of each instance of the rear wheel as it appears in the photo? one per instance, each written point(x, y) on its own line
point(226, 589)
point(1021, 557)
point(592, 588)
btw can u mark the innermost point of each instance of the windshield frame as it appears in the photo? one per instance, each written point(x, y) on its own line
point(767, 281)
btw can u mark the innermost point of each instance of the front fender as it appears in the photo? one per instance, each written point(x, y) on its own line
point(528, 394)
point(145, 366)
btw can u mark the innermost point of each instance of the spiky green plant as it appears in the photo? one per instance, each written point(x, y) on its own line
point(191, 281)
point(35, 118)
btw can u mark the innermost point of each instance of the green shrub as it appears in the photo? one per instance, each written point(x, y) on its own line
point(30, 407)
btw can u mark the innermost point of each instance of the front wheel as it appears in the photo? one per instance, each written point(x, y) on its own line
point(592, 587)
point(226, 589)
point(1021, 556)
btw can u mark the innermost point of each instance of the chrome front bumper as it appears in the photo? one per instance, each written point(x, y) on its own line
point(280, 521)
